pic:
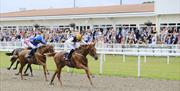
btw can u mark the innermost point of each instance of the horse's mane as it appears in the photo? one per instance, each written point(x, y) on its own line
point(81, 46)
point(45, 47)
point(42, 46)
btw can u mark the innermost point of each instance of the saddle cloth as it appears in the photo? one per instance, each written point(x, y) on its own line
point(69, 62)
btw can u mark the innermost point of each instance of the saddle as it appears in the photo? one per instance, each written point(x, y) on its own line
point(31, 56)
point(69, 62)
point(29, 48)
point(31, 53)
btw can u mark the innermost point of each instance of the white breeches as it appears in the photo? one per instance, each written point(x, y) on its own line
point(27, 43)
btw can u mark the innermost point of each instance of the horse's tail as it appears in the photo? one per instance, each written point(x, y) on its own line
point(51, 54)
point(9, 54)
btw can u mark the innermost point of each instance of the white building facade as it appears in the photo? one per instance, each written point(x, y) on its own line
point(161, 14)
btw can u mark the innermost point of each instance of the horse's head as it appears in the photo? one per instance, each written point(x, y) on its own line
point(89, 49)
point(46, 49)
point(92, 50)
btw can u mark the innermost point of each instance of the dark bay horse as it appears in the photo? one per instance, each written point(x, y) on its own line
point(14, 58)
point(78, 60)
point(39, 58)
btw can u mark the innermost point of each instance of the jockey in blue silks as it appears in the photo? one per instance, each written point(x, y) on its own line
point(35, 41)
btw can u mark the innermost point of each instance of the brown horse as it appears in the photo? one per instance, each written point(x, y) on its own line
point(78, 60)
point(14, 58)
point(38, 58)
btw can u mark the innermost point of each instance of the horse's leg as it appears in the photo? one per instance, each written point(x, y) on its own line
point(90, 72)
point(87, 73)
point(28, 66)
point(26, 69)
point(31, 70)
point(44, 68)
point(20, 70)
point(39, 61)
point(47, 70)
point(12, 62)
point(52, 79)
point(16, 65)
point(59, 75)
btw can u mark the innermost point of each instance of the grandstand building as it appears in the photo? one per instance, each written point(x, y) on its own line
point(160, 13)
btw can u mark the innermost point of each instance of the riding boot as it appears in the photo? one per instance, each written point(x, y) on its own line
point(29, 48)
point(31, 52)
point(67, 57)
point(70, 54)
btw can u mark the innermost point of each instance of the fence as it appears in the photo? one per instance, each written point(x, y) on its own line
point(119, 49)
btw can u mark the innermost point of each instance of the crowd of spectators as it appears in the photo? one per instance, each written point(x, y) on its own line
point(145, 35)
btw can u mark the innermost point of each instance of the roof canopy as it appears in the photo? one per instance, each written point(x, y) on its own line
point(83, 10)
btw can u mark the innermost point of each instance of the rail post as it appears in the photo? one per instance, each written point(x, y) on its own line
point(104, 57)
point(145, 59)
point(139, 66)
point(167, 59)
point(101, 64)
point(124, 58)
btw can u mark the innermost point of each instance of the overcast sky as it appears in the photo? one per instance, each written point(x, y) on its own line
point(15, 5)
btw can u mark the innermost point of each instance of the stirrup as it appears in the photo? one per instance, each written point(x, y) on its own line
point(29, 56)
point(66, 58)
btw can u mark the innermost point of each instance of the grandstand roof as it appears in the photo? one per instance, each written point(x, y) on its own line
point(83, 10)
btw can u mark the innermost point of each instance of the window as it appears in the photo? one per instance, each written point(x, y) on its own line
point(9, 28)
point(27, 28)
point(172, 24)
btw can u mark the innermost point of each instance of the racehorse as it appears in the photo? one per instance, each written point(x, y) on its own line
point(78, 60)
point(14, 58)
point(39, 58)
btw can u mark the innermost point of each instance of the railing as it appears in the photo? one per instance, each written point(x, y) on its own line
point(120, 49)
point(149, 50)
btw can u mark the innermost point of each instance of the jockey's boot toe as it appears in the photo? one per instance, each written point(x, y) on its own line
point(66, 58)
point(28, 56)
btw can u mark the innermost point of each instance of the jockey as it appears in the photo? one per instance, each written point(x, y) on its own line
point(72, 44)
point(34, 41)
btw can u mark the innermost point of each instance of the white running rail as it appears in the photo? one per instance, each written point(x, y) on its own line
point(118, 49)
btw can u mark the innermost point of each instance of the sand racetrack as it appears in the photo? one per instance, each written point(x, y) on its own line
point(79, 82)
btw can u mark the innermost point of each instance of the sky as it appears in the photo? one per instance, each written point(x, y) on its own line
point(15, 5)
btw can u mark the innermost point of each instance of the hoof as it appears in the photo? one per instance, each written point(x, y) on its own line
point(92, 85)
point(51, 83)
point(48, 73)
point(46, 80)
point(8, 68)
point(26, 74)
point(14, 68)
point(93, 76)
point(31, 75)
point(17, 74)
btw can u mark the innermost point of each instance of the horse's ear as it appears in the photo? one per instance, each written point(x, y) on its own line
point(87, 46)
point(50, 45)
point(42, 46)
point(93, 43)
